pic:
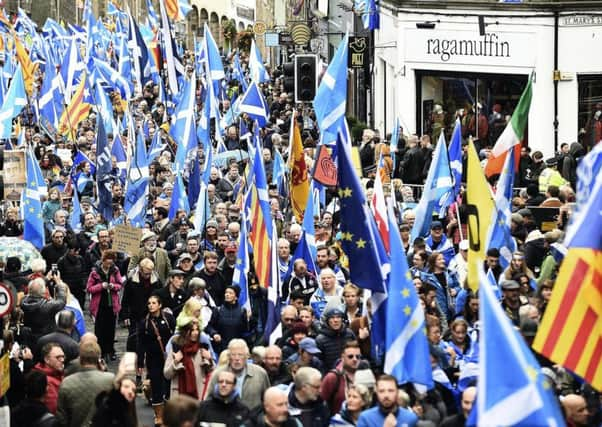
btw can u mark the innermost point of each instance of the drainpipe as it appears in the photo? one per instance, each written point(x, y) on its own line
point(556, 80)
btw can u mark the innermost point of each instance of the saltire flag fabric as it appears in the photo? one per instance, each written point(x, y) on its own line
point(499, 232)
point(480, 207)
point(136, 193)
point(121, 160)
point(238, 73)
point(273, 327)
point(455, 157)
point(254, 104)
point(139, 54)
point(570, 332)
point(14, 101)
point(156, 148)
point(437, 194)
point(75, 112)
point(241, 269)
point(358, 232)
point(519, 399)
point(256, 68)
point(175, 68)
point(330, 102)
point(407, 351)
point(33, 224)
point(194, 179)
point(104, 179)
point(71, 69)
point(183, 127)
point(152, 15)
point(104, 72)
point(369, 13)
point(75, 216)
point(379, 206)
point(213, 60)
point(513, 134)
point(179, 199)
point(299, 174)
point(104, 107)
point(81, 157)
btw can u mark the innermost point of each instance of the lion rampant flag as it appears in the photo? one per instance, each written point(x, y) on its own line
point(299, 175)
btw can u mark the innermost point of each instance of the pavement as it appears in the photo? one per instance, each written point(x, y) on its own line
point(143, 410)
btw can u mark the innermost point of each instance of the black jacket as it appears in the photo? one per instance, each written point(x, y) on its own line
point(52, 253)
point(112, 409)
point(31, 413)
point(412, 165)
point(230, 412)
point(331, 344)
point(39, 312)
point(294, 284)
point(175, 303)
point(311, 414)
point(257, 419)
point(215, 285)
point(148, 344)
point(73, 271)
point(229, 321)
point(135, 296)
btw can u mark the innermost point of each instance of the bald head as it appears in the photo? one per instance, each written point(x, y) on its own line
point(576, 409)
point(88, 337)
point(468, 398)
point(275, 405)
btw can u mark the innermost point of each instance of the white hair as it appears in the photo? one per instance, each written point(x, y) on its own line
point(38, 265)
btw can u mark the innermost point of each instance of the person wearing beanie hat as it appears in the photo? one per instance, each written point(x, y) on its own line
point(229, 321)
point(333, 336)
point(298, 332)
point(150, 249)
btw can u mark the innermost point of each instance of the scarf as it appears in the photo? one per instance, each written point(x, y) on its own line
point(187, 378)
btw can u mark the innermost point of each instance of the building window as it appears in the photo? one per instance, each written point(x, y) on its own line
point(484, 103)
point(590, 110)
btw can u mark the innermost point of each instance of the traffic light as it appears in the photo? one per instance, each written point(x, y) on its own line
point(288, 75)
point(306, 77)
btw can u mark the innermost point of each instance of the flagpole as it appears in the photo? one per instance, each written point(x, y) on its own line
point(458, 218)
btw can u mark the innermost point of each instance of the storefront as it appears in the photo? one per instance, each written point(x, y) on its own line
point(445, 64)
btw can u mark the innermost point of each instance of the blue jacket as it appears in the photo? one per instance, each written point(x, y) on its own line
point(374, 417)
point(445, 247)
point(445, 301)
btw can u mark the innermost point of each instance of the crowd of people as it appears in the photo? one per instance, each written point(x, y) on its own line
point(201, 356)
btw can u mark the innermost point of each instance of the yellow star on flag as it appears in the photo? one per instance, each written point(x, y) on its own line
point(407, 310)
point(532, 373)
point(405, 292)
point(361, 243)
point(347, 192)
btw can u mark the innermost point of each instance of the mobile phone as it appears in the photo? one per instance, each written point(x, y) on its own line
point(55, 269)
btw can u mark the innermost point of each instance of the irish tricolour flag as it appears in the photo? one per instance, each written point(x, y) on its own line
point(512, 135)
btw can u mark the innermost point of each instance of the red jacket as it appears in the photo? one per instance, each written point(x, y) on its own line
point(94, 286)
point(54, 378)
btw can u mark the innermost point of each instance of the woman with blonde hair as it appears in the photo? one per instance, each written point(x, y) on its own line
point(358, 399)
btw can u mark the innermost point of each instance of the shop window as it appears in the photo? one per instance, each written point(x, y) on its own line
point(484, 103)
point(590, 110)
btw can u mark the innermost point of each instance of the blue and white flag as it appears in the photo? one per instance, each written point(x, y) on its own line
point(71, 69)
point(14, 101)
point(104, 107)
point(183, 127)
point(278, 170)
point(257, 70)
point(179, 199)
point(438, 189)
point(156, 148)
point(241, 269)
point(369, 13)
point(238, 74)
point(50, 100)
point(104, 166)
point(75, 217)
point(175, 68)
point(407, 351)
point(499, 231)
point(519, 399)
point(136, 193)
point(121, 160)
point(395, 143)
point(273, 327)
point(455, 157)
point(330, 102)
point(33, 224)
point(140, 55)
point(254, 104)
point(213, 59)
point(102, 71)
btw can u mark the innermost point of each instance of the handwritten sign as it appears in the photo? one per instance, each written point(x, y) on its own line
point(14, 174)
point(127, 239)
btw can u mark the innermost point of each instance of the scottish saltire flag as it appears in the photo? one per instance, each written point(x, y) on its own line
point(50, 101)
point(359, 240)
point(104, 107)
point(121, 160)
point(194, 179)
point(102, 71)
point(73, 305)
point(257, 70)
point(14, 101)
point(136, 193)
point(179, 199)
point(139, 54)
point(330, 102)
point(407, 355)
point(394, 143)
point(213, 60)
point(241, 270)
point(519, 399)
point(175, 69)
point(369, 13)
point(152, 15)
point(204, 128)
point(71, 69)
point(254, 104)
point(81, 157)
point(438, 189)
point(238, 73)
point(494, 285)
point(125, 64)
point(273, 328)
point(455, 157)
point(33, 224)
point(499, 231)
point(104, 166)
point(76, 212)
point(183, 127)
point(589, 167)
point(156, 148)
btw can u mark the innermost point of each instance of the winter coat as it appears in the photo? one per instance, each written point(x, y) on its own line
point(175, 303)
point(148, 345)
point(112, 409)
point(202, 373)
point(73, 271)
point(331, 343)
point(229, 321)
point(94, 287)
point(230, 412)
point(159, 258)
point(255, 383)
point(39, 312)
point(54, 378)
point(311, 414)
point(569, 163)
point(135, 296)
point(31, 413)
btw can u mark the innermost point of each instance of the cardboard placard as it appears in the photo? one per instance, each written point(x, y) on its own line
point(14, 173)
point(127, 239)
point(4, 374)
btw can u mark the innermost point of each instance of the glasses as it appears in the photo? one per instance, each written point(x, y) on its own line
point(225, 382)
point(314, 386)
point(354, 356)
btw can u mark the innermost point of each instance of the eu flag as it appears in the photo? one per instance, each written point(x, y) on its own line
point(33, 227)
point(359, 240)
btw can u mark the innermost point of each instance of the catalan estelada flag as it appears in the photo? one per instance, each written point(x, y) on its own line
point(173, 9)
point(299, 178)
point(76, 111)
point(570, 333)
point(260, 239)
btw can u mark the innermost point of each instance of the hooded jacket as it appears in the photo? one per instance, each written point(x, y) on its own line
point(331, 343)
point(39, 312)
point(229, 411)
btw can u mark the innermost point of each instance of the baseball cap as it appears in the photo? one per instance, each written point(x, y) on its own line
point(309, 345)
